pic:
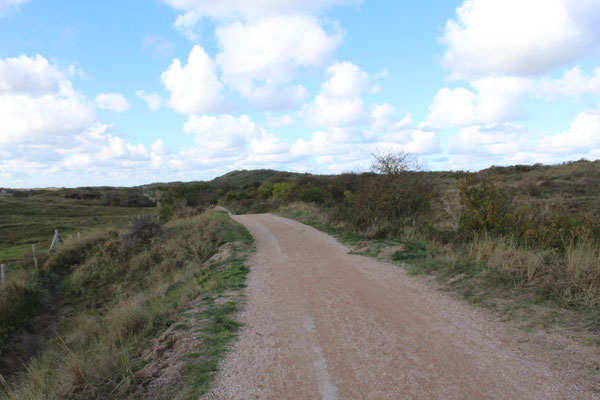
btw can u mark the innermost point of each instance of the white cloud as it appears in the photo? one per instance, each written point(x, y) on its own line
point(492, 140)
point(112, 101)
point(346, 79)
point(257, 57)
point(383, 119)
point(519, 37)
point(335, 141)
point(494, 100)
point(27, 75)
point(339, 104)
point(7, 5)
point(573, 83)
point(231, 137)
point(153, 100)
point(243, 9)
point(195, 88)
point(38, 101)
point(582, 136)
point(281, 121)
point(412, 141)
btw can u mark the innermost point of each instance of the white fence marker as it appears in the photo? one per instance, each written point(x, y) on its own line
point(2, 274)
point(78, 235)
point(55, 240)
point(35, 260)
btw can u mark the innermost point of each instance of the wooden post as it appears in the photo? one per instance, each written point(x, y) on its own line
point(54, 240)
point(35, 260)
point(2, 274)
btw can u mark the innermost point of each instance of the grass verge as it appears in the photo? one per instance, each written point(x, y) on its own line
point(125, 292)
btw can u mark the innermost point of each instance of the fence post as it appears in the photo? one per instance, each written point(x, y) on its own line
point(54, 240)
point(2, 274)
point(35, 260)
point(78, 235)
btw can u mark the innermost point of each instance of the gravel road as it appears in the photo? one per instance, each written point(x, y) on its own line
point(325, 324)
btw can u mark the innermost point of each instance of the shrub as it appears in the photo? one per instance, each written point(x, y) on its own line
point(486, 206)
point(309, 193)
point(265, 190)
point(232, 195)
point(282, 190)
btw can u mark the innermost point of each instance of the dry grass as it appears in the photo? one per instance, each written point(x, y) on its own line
point(120, 296)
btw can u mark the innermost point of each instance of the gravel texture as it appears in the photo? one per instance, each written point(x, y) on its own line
point(325, 324)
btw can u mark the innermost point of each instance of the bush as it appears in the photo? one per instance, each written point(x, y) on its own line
point(265, 190)
point(282, 190)
point(232, 195)
point(310, 193)
point(486, 207)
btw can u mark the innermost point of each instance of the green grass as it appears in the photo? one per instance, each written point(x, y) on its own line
point(124, 292)
point(31, 220)
point(217, 333)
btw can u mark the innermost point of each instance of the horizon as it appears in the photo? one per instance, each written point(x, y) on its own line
point(284, 171)
point(115, 94)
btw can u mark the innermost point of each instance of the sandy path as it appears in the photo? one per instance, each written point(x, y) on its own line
point(323, 324)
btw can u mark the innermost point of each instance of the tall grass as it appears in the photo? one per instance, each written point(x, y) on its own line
point(123, 291)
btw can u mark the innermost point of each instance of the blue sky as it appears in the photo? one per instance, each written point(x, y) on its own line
point(132, 92)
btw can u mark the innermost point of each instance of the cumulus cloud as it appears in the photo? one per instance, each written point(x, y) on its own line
point(112, 101)
point(195, 87)
point(335, 141)
point(574, 82)
point(153, 100)
point(27, 75)
point(480, 146)
point(383, 119)
point(257, 57)
point(38, 101)
point(582, 136)
point(280, 121)
point(491, 140)
point(519, 38)
point(492, 100)
point(231, 137)
point(339, 104)
point(498, 99)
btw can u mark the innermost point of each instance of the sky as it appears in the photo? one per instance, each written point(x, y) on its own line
point(131, 92)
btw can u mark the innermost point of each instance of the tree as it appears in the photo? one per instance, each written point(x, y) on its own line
point(393, 163)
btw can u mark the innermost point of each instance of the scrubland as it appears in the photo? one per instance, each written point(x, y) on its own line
point(523, 241)
point(120, 290)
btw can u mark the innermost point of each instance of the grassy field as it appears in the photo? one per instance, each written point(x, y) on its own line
point(31, 220)
point(127, 294)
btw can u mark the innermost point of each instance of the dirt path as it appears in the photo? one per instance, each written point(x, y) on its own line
point(323, 324)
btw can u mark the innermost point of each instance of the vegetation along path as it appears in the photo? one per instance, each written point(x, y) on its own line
point(325, 324)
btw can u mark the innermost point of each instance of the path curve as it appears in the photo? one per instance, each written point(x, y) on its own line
point(324, 324)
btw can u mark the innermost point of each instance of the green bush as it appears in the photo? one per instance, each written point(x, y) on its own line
point(310, 193)
point(232, 195)
point(486, 207)
point(265, 190)
point(282, 190)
